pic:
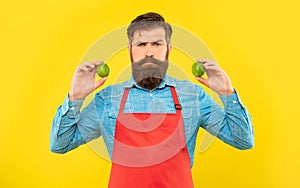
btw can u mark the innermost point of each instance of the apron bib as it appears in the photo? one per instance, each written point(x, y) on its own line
point(150, 150)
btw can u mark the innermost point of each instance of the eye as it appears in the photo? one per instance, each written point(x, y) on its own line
point(157, 44)
point(141, 44)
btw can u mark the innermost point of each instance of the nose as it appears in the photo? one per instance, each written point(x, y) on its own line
point(149, 50)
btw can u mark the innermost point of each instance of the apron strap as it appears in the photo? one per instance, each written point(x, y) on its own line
point(125, 94)
point(175, 98)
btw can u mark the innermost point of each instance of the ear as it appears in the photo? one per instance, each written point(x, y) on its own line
point(129, 47)
point(170, 47)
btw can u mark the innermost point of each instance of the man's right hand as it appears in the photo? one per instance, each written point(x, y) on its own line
point(83, 82)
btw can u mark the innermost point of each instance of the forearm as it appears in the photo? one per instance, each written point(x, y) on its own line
point(239, 123)
point(71, 128)
point(232, 124)
point(64, 135)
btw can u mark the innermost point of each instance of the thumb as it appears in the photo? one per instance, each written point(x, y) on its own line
point(202, 81)
point(100, 82)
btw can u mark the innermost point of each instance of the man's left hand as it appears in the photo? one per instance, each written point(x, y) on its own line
point(217, 79)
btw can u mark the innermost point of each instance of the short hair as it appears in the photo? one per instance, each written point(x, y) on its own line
point(149, 21)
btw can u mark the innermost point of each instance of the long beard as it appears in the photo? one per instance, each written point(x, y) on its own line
point(149, 72)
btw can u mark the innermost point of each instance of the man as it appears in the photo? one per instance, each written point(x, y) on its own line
point(150, 123)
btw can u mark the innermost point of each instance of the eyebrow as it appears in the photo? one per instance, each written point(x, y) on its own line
point(138, 42)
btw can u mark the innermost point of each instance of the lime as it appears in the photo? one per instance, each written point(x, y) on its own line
point(102, 70)
point(198, 69)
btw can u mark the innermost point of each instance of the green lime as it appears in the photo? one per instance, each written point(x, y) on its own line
point(102, 70)
point(198, 69)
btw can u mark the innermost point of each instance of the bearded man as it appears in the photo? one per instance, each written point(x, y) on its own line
point(150, 122)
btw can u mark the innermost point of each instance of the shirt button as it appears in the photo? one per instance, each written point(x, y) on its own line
point(234, 101)
point(150, 94)
point(57, 124)
point(72, 108)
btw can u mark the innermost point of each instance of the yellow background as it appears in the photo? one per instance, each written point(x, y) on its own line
point(42, 42)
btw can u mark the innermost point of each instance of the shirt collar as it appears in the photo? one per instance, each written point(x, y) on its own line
point(167, 81)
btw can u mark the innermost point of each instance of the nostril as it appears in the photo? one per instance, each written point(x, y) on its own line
point(149, 55)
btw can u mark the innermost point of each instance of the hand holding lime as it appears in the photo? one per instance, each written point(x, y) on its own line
point(198, 69)
point(102, 70)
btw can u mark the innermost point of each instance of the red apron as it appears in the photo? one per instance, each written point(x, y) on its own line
point(150, 150)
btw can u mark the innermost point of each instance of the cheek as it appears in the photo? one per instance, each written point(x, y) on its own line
point(136, 58)
point(161, 55)
point(137, 54)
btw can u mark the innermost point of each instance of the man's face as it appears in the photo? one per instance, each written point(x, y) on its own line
point(149, 43)
point(149, 53)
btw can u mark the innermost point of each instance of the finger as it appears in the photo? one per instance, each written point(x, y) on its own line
point(86, 66)
point(207, 62)
point(100, 82)
point(96, 63)
point(211, 67)
point(82, 68)
point(202, 81)
point(202, 60)
point(89, 65)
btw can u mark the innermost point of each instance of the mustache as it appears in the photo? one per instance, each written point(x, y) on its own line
point(150, 60)
point(149, 77)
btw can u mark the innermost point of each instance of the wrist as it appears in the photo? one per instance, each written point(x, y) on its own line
point(229, 91)
point(74, 98)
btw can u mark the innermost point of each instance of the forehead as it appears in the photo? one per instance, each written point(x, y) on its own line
point(154, 34)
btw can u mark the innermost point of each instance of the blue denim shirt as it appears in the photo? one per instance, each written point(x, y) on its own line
point(232, 124)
